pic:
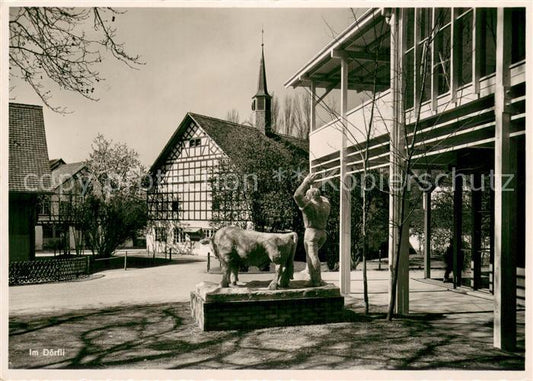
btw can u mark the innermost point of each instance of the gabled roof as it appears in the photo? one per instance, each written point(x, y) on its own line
point(28, 152)
point(226, 134)
point(54, 163)
point(64, 172)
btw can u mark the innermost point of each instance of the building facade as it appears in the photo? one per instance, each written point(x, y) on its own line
point(180, 203)
point(29, 177)
point(56, 228)
point(203, 153)
point(443, 90)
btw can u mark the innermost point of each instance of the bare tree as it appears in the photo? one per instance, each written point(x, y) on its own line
point(64, 46)
point(303, 121)
point(275, 113)
point(402, 153)
point(233, 116)
point(287, 115)
point(294, 115)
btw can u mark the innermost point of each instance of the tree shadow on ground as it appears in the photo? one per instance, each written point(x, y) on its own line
point(165, 336)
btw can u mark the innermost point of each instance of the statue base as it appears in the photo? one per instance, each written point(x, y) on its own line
point(253, 305)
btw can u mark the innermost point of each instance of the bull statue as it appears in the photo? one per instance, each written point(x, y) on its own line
point(234, 247)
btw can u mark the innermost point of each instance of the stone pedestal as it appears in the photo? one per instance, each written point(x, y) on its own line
point(253, 305)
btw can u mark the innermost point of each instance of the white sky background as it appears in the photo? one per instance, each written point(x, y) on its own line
point(204, 60)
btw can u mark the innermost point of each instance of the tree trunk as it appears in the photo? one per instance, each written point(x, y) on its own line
point(364, 231)
point(365, 279)
point(396, 262)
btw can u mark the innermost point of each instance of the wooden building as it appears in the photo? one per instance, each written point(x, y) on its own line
point(180, 199)
point(29, 177)
point(55, 227)
point(445, 91)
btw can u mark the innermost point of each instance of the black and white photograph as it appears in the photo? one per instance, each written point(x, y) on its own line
point(265, 190)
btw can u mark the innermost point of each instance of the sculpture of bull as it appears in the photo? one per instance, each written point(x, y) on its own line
point(234, 246)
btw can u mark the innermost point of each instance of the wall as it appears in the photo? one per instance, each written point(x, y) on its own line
point(327, 139)
point(21, 227)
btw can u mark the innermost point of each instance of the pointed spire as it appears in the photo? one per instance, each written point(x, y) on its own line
point(262, 100)
point(262, 84)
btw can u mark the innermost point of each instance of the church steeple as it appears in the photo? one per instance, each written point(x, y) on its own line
point(261, 104)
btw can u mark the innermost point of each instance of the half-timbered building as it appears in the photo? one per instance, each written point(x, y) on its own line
point(182, 206)
point(56, 223)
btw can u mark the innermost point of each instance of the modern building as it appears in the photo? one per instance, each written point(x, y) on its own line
point(181, 204)
point(443, 90)
point(29, 177)
point(55, 229)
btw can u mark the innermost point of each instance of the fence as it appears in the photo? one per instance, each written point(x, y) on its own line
point(47, 270)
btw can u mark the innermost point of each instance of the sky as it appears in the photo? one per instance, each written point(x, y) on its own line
point(203, 60)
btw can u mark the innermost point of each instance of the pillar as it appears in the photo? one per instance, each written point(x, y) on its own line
point(504, 200)
point(312, 116)
point(475, 202)
point(457, 229)
point(345, 186)
point(491, 238)
point(39, 237)
point(72, 237)
point(396, 158)
point(427, 235)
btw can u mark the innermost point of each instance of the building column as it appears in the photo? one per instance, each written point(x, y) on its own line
point(457, 229)
point(312, 116)
point(38, 237)
point(427, 234)
point(345, 187)
point(312, 110)
point(504, 199)
point(32, 223)
point(475, 202)
point(396, 158)
point(491, 238)
point(72, 237)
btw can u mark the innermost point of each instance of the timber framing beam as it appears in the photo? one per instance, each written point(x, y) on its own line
point(359, 55)
point(359, 82)
point(326, 92)
point(380, 57)
point(334, 82)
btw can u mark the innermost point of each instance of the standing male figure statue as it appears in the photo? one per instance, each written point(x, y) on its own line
point(315, 210)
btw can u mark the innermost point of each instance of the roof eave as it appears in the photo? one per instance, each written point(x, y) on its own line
point(170, 143)
point(299, 78)
point(33, 192)
point(82, 167)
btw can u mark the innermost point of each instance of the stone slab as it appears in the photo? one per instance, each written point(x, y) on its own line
point(258, 290)
point(252, 306)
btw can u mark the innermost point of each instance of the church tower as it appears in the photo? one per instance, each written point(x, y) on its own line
point(261, 101)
